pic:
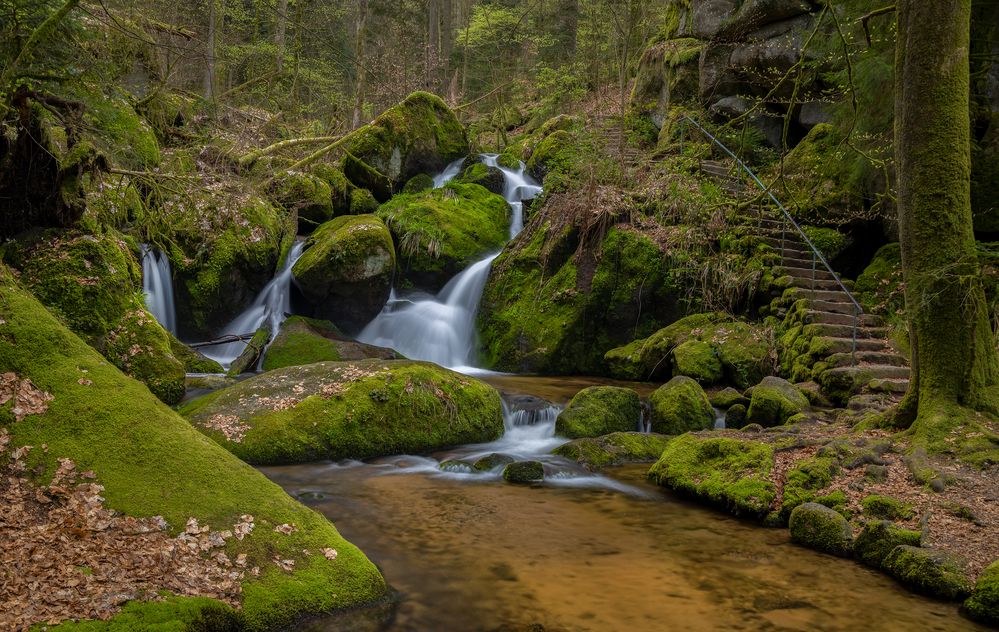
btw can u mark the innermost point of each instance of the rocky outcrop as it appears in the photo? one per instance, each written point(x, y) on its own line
point(307, 341)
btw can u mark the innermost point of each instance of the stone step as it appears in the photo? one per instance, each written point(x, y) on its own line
point(828, 330)
point(841, 305)
point(868, 372)
point(845, 345)
point(788, 243)
point(887, 358)
point(895, 386)
point(818, 284)
point(828, 296)
point(818, 274)
point(832, 318)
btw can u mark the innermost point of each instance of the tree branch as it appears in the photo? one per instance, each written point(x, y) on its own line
point(870, 16)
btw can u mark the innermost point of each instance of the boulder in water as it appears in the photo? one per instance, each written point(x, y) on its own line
point(304, 340)
point(348, 410)
point(441, 232)
point(930, 572)
point(523, 472)
point(821, 528)
point(613, 449)
point(735, 416)
point(491, 462)
point(878, 538)
point(346, 270)
point(775, 401)
point(491, 178)
point(680, 406)
point(983, 605)
point(599, 410)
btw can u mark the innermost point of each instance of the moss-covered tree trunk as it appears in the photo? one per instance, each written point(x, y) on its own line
point(954, 360)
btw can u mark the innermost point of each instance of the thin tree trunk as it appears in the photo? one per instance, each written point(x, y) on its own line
point(464, 55)
point(40, 34)
point(279, 35)
point(953, 351)
point(447, 43)
point(360, 25)
point(209, 87)
point(433, 44)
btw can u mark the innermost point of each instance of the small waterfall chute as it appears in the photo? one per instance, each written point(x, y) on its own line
point(157, 287)
point(449, 173)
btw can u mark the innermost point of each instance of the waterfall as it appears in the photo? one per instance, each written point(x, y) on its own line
point(449, 174)
point(157, 286)
point(270, 308)
point(441, 328)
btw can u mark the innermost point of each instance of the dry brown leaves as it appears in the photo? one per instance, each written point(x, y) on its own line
point(64, 555)
point(229, 425)
point(28, 399)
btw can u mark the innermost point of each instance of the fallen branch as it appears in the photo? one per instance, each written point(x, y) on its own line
point(484, 97)
point(255, 80)
point(252, 157)
point(224, 340)
point(151, 174)
point(311, 158)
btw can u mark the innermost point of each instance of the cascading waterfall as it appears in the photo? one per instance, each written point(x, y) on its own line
point(270, 308)
point(449, 173)
point(157, 286)
point(441, 329)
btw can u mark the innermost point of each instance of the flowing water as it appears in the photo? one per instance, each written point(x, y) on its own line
point(441, 328)
point(157, 286)
point(449, 173)
point(271, 308)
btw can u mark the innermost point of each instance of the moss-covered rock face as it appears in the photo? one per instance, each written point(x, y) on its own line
point(599, 410)
point(680, 406)
point(490, 178)
point(819, 527)
point(363, 176)
point(340, 410)
point(667, 75)
point(934, 573)
point(710, 348)
point(363, 202)
point(420, 135)
point(441, 232)
point(878, 538)
point(307, 195)
point(613, 449)
point(95, 284)
point(552, 153)
point(153, 463)
point(524, 472)
point(728, 397)
point(307, 341)
point(774, 401)
point(729, 473)
point(983, 605)
point(819, 178)
point(346, 270)
point(879, 287)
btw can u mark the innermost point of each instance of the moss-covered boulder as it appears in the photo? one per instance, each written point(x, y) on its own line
point(710, 348)
point(363, 176)
point(523, 472)
point(363, 202)
point(730, 473)
point(307, 341)
point(193, 361)
point(341, 410)
point(346, 270)
point(340, 187)
point(617, 448)
point(491, 462)
point(151, 462)
point(599, 410)
point(735, 416)
point(552, 153)
point(441, 232)
point(728, 397)
point(491, 178)
point(667, 75)
point(930, 572)
point(983, 605)
point(774, 401)
point(94, 283)
point(307, 195)
point(680, 406)
point(419, 135)
point(878, 538)
point(886, 508)
point(419, 183)
point(821, 177)
point(821, 528)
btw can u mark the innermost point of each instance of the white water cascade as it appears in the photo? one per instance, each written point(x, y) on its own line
point(450, 173)
point(441, 329)
point(270, 308)
point(157, 286)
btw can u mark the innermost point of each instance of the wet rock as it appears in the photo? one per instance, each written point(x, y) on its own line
point(819, 527)
point(524, 472)
point(306, 340)
point(491, 462)
point(489, 177)
point(878, 538)
point(775, 401)
point(983, 605)
point(681, 406)
point(935, 573)
point(599, 410)
point(735, 417)
point(614, 449)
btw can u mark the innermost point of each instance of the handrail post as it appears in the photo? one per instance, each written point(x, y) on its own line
point(813, 275)
point(853, 353)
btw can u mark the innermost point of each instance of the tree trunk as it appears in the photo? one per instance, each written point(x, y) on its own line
point(567, 29)
point(447, 43)
point(954, 360)
point(359, 35)
point(210, 50)
point(279, 34)
point(433, 44)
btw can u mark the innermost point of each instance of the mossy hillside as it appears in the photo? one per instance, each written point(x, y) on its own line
point(729, 473)
point(667, 74)
point(94, 283)
point(115, 129)
point(441, 232)
point(543, 312)
point(983, 605)
point(340, 410)
point(307, 195)
point(599, 410)
point(419, 135)
point(307, 341)
point(346, 270)
point(680, 406)
point(618, 448)
point(153, 463)
point(710, 348)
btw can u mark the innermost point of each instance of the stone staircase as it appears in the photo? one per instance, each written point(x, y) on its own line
point(616, 141)
point(824, 340)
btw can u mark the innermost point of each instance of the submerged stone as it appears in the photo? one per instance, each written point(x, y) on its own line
point(524, 472)
point(491, 462)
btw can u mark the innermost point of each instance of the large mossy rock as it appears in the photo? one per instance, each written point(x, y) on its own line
point(983, 605)
point(667, 76)
point(599, 410)
point(710, 348)
point(524, 472)
point(680, 406)
point(341, 410)
point(304, 340)
point(419, 135)
point(94, 282)
point(479, 173)
point(821, 528)
point(774, 401)
point(308, 195)
point(730, 473)
point(878, 538)
point(617, 448)
point(346, 270)
point(441, 232)
point(930, 572)
point(151, 462)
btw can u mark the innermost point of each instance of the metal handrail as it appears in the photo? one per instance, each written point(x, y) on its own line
point(816, 254)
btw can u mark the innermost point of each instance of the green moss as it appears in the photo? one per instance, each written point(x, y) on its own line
point(599, 410)
point(307, 195)
point(830, 242)
point(614, 449)
point(886, 508)
point(879, 287)
point(553, 153)
point(934, 573)
point(166, 111)
point(727, 397)
point(697, 359)
point(983, 605)
point(117, 130)
point(775, 401)
point(307, 341)
point(807, 477)
point(441, 232)
point(730, 473)
point(680, 406)
point(173, 614)
point(878, 538)
point(819, 527)
point(418, 184)
point(339, 410)
point(152, 463)
point(246, 362)
point(340, 188)
point(193, 361)
point(364, 176)
point(820, 177)
point(478, 173)
point(523, 472)
point(363, 202)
